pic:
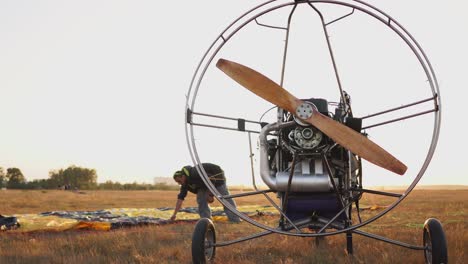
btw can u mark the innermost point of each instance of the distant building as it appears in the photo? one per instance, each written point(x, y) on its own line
point(166, 180)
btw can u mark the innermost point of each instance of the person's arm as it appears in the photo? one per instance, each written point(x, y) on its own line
point(180, 199)
point(177, 208)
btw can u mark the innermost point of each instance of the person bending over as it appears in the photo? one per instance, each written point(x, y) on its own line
point(190, 181)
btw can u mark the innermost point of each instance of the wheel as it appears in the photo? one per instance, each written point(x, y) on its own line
point(434, 242)
point(203, 239)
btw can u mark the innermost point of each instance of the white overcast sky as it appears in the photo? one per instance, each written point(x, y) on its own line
point(102, 84)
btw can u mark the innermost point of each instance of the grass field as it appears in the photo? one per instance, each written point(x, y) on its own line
point(172, 243)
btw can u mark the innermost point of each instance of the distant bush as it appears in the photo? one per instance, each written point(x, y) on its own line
point(72, 178)
point(166, 187)
point(110, 185)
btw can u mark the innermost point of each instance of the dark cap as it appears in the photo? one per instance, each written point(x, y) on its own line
point(178, 174)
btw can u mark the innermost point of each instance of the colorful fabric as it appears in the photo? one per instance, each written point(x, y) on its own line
point(115, 218)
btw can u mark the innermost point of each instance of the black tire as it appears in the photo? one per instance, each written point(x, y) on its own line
point(435, 242)
point(204, 236)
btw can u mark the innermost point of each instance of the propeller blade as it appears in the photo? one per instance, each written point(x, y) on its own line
point(356, 143)
point(341, 134)
point(259, 85)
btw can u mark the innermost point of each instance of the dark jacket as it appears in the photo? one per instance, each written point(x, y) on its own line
point(195, 182)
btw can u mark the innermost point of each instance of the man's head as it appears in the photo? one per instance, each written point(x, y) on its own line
point(180, 177)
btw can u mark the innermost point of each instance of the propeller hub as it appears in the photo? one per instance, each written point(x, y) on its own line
point(304, 111)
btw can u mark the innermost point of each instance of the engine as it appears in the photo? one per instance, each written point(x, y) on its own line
point(291, 147)
point(307, 138)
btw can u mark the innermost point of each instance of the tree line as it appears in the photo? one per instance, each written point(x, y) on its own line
point(71, 178)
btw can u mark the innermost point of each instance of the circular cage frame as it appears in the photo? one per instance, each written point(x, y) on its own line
point(270, 6)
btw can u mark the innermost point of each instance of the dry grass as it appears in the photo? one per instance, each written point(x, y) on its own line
point(171, 243)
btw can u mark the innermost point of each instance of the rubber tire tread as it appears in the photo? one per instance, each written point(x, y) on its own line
point(436, 233)
point(198, 241)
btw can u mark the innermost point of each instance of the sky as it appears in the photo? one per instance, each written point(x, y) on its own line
point(103, 84)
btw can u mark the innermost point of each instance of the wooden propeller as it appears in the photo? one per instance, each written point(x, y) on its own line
point(341, 134)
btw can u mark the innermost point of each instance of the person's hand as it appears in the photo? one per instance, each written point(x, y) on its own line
point(173, 217)
point(210, 198)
